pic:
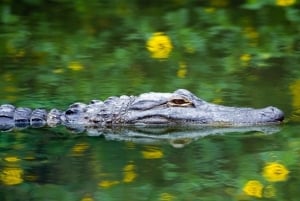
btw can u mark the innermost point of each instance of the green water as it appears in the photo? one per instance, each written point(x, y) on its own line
point(237, 53)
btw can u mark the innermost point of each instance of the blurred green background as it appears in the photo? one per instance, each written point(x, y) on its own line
point(232, 52)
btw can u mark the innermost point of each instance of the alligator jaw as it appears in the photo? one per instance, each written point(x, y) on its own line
point(190, 116)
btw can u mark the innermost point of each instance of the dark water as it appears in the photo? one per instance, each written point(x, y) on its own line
point(238, 53)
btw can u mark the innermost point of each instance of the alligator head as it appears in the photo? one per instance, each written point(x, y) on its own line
point(183, 107)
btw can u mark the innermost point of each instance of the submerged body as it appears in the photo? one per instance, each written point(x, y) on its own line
point(178, 108)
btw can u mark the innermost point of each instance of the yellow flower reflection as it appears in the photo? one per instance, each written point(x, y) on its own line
point(11, 175)
point(79, 149)
point(107, 183)
point(285, 2)
point(253, 188)
point(159, 45)
point(152, 153)
point(275, 172)
point(129, 173)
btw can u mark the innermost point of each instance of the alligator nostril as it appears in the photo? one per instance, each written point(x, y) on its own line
point(272, 114)
point(70, 112)
point(279, 115)
point(280, 118)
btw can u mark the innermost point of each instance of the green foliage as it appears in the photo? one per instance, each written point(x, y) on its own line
point(53, 53)
point(108, 39)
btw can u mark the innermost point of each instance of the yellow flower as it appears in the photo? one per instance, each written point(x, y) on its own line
point(166, 197)
point(58, 71)
point(11, 159)
point(87, 198)
point(159, 45)
point(245, 57)
point(11, 175)
point(182, 70)
point(285, 2)
point(253, 188)
point(75, 66)
point(295, 88)
point(275, 172)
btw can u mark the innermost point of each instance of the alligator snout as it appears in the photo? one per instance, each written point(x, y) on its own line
point(272, 114)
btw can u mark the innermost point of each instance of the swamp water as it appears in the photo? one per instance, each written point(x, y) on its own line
point(232, 53)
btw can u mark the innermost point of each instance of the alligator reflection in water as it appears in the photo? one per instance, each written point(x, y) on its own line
point(178, 137)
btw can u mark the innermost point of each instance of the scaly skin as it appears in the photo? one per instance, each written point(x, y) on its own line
point(178, 108)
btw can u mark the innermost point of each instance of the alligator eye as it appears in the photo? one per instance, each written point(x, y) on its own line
point(178, 101)
point(181, 102)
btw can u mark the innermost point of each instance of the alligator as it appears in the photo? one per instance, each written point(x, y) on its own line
point(179, 108)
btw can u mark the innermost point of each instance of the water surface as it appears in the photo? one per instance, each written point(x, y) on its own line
point(233, 53)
